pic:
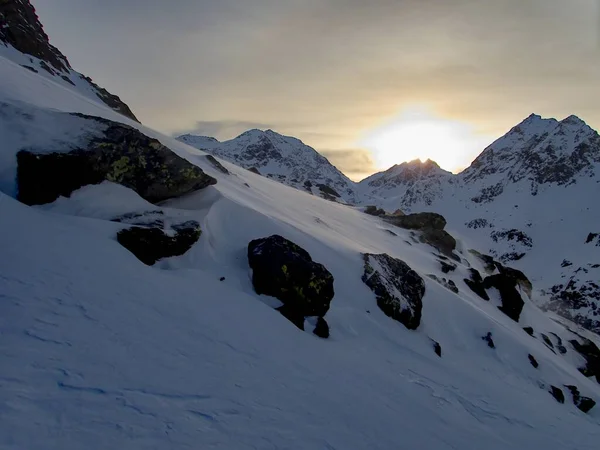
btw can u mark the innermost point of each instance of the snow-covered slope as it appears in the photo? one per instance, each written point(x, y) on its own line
point(23, 40)
point(529, 199)
point(99, 350)
point(282, 158)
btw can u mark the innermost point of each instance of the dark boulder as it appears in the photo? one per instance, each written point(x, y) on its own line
point(321, 328)
point(448, 284)
point(557, 393)
point(118, 153)
point(547, 341)
point(476, 284)
point(533, 361)
point(437, 348)
point(374, 211)
point(512, 303)
point(328, 192)
point(399, 290)
point(488, 338)
point(149, 244)
point(217, 165)
point(254, 170)
point(447, 267)
point(585, 404)
point(286, 271)
point(439, 239)
point(591, 353)
point(431, 225)
point(528, 330)
point(419, 221)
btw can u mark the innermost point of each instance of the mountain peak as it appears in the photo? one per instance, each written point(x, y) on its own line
point(573, 120)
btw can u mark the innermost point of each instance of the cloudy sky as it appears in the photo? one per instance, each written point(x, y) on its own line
point(334, 72)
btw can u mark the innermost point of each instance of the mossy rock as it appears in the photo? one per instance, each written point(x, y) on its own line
point(149, 244)
point(282, 269)
point(113, 152)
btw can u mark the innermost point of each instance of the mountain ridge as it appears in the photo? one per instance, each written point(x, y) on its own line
point(25, 42)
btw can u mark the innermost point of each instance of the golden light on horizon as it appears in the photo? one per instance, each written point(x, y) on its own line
point(419, 134)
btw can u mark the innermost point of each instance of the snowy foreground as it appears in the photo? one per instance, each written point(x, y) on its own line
point(99, 351)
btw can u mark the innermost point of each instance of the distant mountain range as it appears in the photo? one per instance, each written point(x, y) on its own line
point(529, 199)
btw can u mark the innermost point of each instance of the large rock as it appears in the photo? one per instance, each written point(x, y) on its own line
point(399, 289)
point(506, 280)
point(512, 303)
point(419, 221)
point(120, 154)
point(591, 353)
point(286, 271)
point(432, 230)
point(585, 404)
point(149, 244)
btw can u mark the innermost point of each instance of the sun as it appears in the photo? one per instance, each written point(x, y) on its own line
point(418, 134)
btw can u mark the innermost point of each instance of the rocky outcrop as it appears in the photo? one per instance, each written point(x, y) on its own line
point(149, 244)
point(585, 404)
point(506, 280)
point(431, 226)
point(284, 270)
point(119, 153)
point(533, 361)
point(374, 211)
point(475, 283)
point(448, 284)
point(21, 29)
point(490, 341)
point(419, 221)
point(512, 303)
point(399, 290)
point(591, 354)
point(211, 159)
point(558, 394)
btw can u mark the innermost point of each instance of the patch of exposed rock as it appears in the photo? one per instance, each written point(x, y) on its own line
point(398, 289)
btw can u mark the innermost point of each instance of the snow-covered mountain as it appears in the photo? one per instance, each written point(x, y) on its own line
point(529, 199)
point(282, 158)
point(152, 296)
point(23, 40)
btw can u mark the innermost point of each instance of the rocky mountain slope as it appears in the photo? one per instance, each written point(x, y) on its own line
point(529, 199)
point(281, 158)
point(23, 40)
point(155, 297)
point(132, 320)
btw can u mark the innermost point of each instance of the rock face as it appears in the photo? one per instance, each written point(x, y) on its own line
point(22, 30)
point(399, 290)
point(120, 154)
point(286, 271)
point(149, 244)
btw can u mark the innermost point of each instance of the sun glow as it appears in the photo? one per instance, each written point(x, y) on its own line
point(417, 134)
